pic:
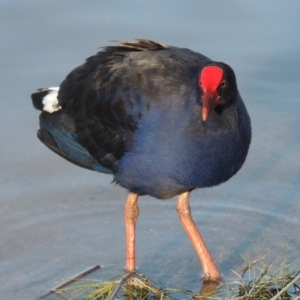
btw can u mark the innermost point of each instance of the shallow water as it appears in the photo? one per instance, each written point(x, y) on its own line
point(57, 219)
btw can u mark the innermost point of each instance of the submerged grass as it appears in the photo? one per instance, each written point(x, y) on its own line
point(261, 279)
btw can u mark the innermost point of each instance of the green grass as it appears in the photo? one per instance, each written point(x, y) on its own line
point(263, 279)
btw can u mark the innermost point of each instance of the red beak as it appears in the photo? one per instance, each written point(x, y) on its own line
point(210, 79)
point(210, 101)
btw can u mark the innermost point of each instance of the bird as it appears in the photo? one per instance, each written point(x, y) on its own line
point(162, 120)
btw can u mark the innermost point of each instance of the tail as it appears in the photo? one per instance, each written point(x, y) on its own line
point(45, 99)
point(57, 131)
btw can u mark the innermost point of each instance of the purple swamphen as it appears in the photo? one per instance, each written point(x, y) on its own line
point(163, 120)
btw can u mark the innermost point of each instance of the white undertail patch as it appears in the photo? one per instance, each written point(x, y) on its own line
point(50, 102)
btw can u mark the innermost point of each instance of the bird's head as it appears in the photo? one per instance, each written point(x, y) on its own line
point(218, 85)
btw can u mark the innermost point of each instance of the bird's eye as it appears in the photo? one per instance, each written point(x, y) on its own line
point(223, 84)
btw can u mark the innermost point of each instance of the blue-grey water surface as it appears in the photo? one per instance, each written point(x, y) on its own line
point(57, 219)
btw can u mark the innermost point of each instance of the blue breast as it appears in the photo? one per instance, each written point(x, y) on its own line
point(173, 150)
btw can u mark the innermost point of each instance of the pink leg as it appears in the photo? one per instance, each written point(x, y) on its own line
point(131, 213)
point(184, 212)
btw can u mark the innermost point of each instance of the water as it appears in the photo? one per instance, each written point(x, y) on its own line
point(57, 219)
